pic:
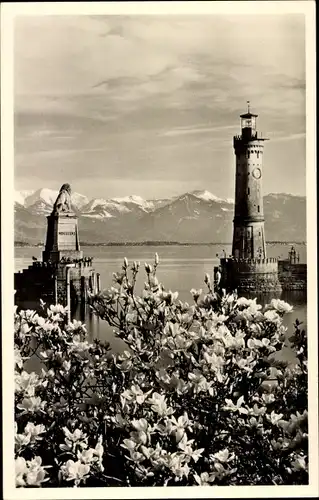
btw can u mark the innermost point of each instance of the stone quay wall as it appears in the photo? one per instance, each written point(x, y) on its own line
point(292, 276)
point(48, 281)
point(33, 284)
point(250, 275)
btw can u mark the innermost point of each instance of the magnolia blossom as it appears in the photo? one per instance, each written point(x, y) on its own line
point(26, 382)
point(205, 479)
point(78, 346)
point(178, 467)
point(31, 434)
point(196, 293)
point(75, 471)
point(31, 404)
point(272, 316)
point(299, 463)
point(75, 436)
point(76, 325)
point(281, 306)
point(210, 359)
point(86, 456)
point(274, 418)
point(159, 405)
point(134, 395)
point(17, 358)
point(230, 406)
point(200, 383)
point(179, 426)
point(30, 472)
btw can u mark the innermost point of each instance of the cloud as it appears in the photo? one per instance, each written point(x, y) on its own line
point(152, 96)
point(196, 130)
point(291, 137)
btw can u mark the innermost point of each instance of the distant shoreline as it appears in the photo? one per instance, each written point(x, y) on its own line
point(21, 244)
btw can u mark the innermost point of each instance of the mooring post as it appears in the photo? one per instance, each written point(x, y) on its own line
point(55, 289)
point(91, 283)
point(83, 289)
point(68, 289)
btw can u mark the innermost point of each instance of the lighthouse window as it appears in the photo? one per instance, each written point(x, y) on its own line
point(248, 154)
point(257, 154)
point(258, 208)
point(249, 193)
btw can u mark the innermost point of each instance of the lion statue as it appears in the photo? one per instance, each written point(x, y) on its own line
point(63, 201)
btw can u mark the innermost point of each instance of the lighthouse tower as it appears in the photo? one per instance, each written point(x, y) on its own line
point(249, 232)
point(248, 269)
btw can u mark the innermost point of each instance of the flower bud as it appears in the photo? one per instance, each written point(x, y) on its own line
point(148, 268)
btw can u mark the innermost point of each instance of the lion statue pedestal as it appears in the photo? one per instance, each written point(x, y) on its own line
point(62, 239)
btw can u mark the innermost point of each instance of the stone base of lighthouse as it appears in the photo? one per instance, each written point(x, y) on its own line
point(249, 275)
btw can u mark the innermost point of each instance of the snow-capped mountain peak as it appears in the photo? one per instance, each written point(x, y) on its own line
point(20, 196)
point(45, 198)
point(45, 195)
point(136, 200)
point(208, 196)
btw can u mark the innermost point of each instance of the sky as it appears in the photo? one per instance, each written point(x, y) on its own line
point(149, 105)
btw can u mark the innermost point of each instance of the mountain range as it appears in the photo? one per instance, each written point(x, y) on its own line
point(193, 217)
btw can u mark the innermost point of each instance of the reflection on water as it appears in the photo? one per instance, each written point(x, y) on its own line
point(100, 329)
point(181, 269)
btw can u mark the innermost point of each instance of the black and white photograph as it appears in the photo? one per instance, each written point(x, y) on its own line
point(159, 249)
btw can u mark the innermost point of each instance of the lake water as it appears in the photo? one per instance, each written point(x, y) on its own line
point(181, 268)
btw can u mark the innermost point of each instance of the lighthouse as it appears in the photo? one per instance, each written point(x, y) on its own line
point(248, 269)
point(249, 232)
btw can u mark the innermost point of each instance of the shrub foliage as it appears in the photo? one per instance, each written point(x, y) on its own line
point(201, 396)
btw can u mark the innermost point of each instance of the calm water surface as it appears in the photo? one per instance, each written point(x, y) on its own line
point(181, 268)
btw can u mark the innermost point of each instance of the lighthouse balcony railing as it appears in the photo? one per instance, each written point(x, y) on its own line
point(250, 137)
point(85, 262)
point(267, 260)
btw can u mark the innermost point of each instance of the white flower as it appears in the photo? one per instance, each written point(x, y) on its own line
point(242, 301)
point(134, 395)
point(175, 464)
point(199, 382)
point(32, 404)
point(159, 405)
point(299, 463)
point(271, 315)
point(36, 473)
point(238, 407)
point(20, 470)
point(21, 440)
point(17, 358)
point(99, 451)
point(75, 436)
point(196, 293)
point(66, 365)
point(26, 382)
point(86, 456)
point(75, 471)
point(274, 417)
point(223, 456)
point(268, 398)
point(29, 472)
point(56, 309)
point(140, 425)
point(281, 306)
point(179, 426)
point(78, 346)
point(204, 479)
